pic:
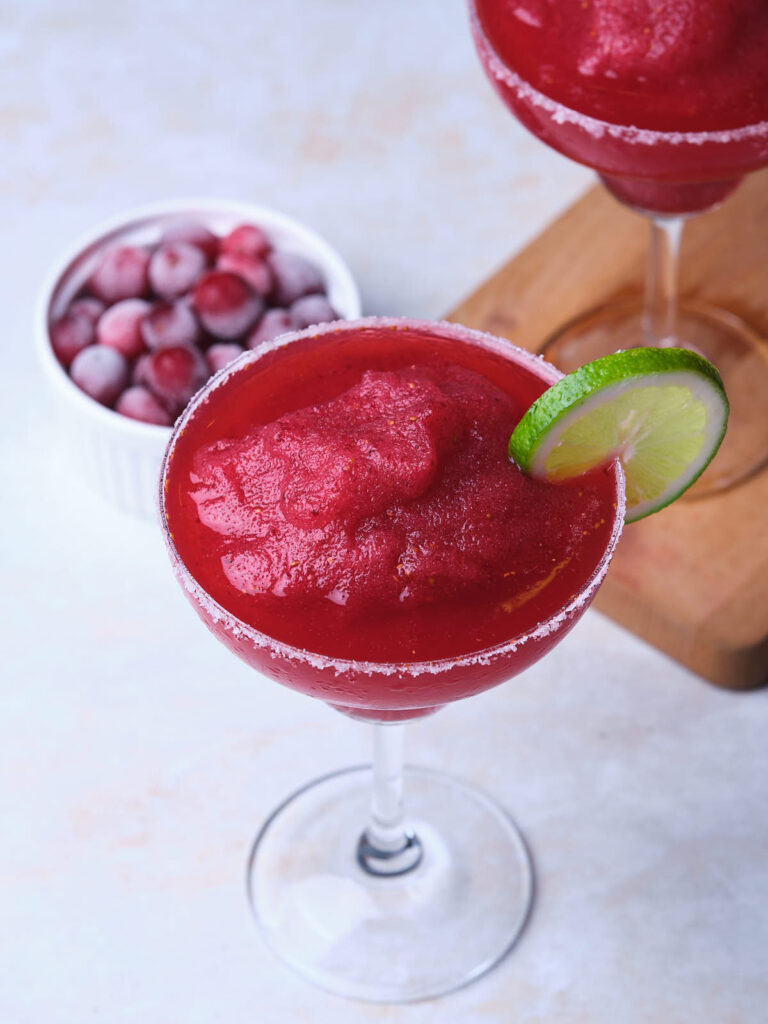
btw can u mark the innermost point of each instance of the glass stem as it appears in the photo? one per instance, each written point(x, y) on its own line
point(387, 847)
point(660, 315)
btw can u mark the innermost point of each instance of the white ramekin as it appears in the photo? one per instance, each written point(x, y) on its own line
point(119, 457)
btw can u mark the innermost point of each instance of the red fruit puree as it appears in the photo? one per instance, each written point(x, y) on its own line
point(352, 495)
point(669, 65)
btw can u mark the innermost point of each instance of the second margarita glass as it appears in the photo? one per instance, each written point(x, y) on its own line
point(624, 90)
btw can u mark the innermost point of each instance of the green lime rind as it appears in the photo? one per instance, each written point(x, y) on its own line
point(661, 412)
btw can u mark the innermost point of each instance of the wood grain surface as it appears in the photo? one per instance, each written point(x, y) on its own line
point(693, 579)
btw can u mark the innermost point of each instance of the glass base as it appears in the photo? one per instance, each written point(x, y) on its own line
point(410, 936)
point(736, 350)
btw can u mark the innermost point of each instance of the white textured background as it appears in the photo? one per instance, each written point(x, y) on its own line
point(138, 756)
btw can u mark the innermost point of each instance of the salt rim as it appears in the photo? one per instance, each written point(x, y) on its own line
point(341, 666)
point(592, 125)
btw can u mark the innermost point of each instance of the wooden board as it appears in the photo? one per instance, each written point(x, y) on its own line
point(693, 579)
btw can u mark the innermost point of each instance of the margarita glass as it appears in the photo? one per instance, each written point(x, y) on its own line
point(408, 905)
point(669, 104)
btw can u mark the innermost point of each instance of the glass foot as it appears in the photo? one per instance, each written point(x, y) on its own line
point(738, 352)
point(391, 939)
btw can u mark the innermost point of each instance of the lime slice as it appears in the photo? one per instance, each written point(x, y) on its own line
point(661, 411)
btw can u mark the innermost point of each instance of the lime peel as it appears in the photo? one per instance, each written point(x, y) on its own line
point(662, 412)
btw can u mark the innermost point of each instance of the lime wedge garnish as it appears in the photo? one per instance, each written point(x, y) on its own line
point(661, 411)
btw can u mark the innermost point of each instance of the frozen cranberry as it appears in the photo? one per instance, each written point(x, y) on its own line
point(294, 276)
point(225, 304)
point(273, 323)
point(120, 327)
point(100, 372)
point(175, 373)
point(140, 404)
point(174, 268)
point(313, 309)
point(248, 241)
point(121, 274)
point(193, 234)
point(70, 334)
point(170, 323)
point(139, 371)
point(89, 307)
point(221, 354)
point(254, 271)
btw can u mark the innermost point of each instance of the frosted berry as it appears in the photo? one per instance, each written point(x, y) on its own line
point(139, 371)
point(70, 334)
point(294, 276)
point(313, 309)
point(225, 305)
point(273, 323)
point(193, 234)
point(170, 323)
point(119, 327)
point(89, 307)
point(121, 274)
point(138, 403)
point(100, 372)
point(174, 374)
point(254, 271)
point(174, 268)
point(246, 240)
point(221, 354)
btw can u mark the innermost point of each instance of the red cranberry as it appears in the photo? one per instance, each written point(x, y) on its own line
point(70, 334)
point(247, 241)
point(121, 274)
point(170, 323)
point(313, 309)
point(175, 373)
point(193, 234)
point(254, 271)
point(294, 276)
point(221, 354)
point(174, 268)
point(89, 307)
point(272, 324)
point(140, 404)
point(120, 327)
point(225, 304)
point(100, 372)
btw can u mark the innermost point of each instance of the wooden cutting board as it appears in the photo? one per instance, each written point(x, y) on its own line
point(693, 579)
